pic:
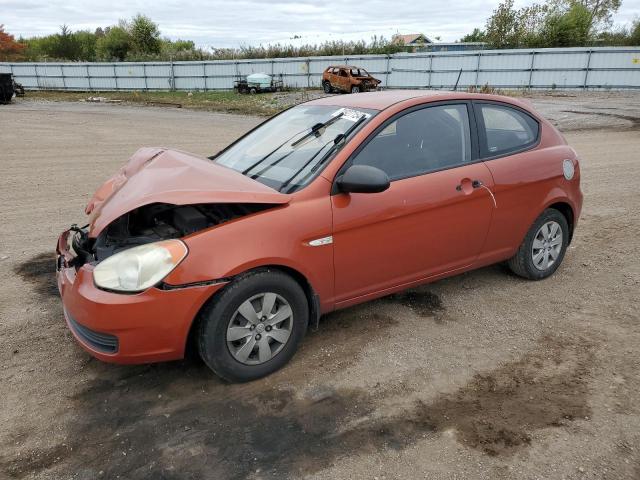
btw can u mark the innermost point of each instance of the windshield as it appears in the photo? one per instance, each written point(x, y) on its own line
point(286, 152)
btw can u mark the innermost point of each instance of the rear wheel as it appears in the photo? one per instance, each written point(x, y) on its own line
point(543, 248)
point(327, 87)
point(254, 326)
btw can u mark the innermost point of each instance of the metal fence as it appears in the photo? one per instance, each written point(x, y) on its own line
point(587, 68)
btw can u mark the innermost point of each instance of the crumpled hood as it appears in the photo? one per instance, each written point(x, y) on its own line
point(157, 175)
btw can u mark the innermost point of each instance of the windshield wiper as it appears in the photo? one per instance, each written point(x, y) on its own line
point(338, 139)
point(271, 165)
point(314, 131)
point(254, 165)
point(290, 179)
point(316, 128)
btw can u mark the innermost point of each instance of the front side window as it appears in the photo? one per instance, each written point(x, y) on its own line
point(506, 129)
point(288, 151)
point(426, 140)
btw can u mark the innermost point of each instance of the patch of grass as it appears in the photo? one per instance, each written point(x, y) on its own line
point(486, 88)
point(264, 104)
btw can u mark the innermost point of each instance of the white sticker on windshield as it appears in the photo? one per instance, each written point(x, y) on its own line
point(350, 114)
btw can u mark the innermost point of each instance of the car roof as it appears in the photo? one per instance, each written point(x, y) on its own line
point(387, 98)
point(344, 66)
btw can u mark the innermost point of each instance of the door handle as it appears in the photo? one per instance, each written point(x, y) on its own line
point(466, 181)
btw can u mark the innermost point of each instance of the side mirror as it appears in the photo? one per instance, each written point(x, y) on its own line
point(363, 179)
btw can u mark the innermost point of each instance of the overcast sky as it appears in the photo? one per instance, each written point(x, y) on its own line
point(247, 22)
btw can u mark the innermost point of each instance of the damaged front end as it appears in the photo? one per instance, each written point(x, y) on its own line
point(152, 223)
point(369, 84)
point(138, 216)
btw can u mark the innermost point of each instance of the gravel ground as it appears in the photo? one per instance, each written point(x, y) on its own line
point(483, 375)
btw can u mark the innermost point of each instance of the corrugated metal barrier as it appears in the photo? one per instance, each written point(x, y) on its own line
point(585, 68)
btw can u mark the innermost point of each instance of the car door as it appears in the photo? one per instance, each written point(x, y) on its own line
point(332, 77)
point(435, 215)
point(344, 82)
point(523, 174)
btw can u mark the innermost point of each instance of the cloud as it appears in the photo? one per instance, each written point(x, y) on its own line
point(249, 22)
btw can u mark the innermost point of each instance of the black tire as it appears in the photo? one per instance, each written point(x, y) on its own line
point(5, 94)
point(355, 89)
point(327, 87)
point(218, 313)
point(253, 91)
point(522, 263)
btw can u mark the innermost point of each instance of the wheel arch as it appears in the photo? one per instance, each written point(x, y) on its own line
point(567, 211)
point(313, 299)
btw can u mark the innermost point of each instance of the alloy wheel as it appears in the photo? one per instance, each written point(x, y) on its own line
point(547, 245)
point(260, 328)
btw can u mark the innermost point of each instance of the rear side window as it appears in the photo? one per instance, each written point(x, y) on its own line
point(506, 130)
point(422, 141)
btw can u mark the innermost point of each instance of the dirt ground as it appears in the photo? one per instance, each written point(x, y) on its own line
point(481, 376)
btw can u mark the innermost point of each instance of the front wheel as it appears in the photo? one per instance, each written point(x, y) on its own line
point(355, 89)
point(543, 248)
point(254, 326)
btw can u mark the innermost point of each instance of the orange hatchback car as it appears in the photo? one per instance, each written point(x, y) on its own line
point(331, 203)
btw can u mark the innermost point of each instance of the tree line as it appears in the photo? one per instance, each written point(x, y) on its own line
point(555, 23)
point(139, 39)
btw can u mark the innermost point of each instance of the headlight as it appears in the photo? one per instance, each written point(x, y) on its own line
point(139, 268)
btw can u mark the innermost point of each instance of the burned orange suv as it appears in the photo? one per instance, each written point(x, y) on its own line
point(348, 79)
point(331, 203)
